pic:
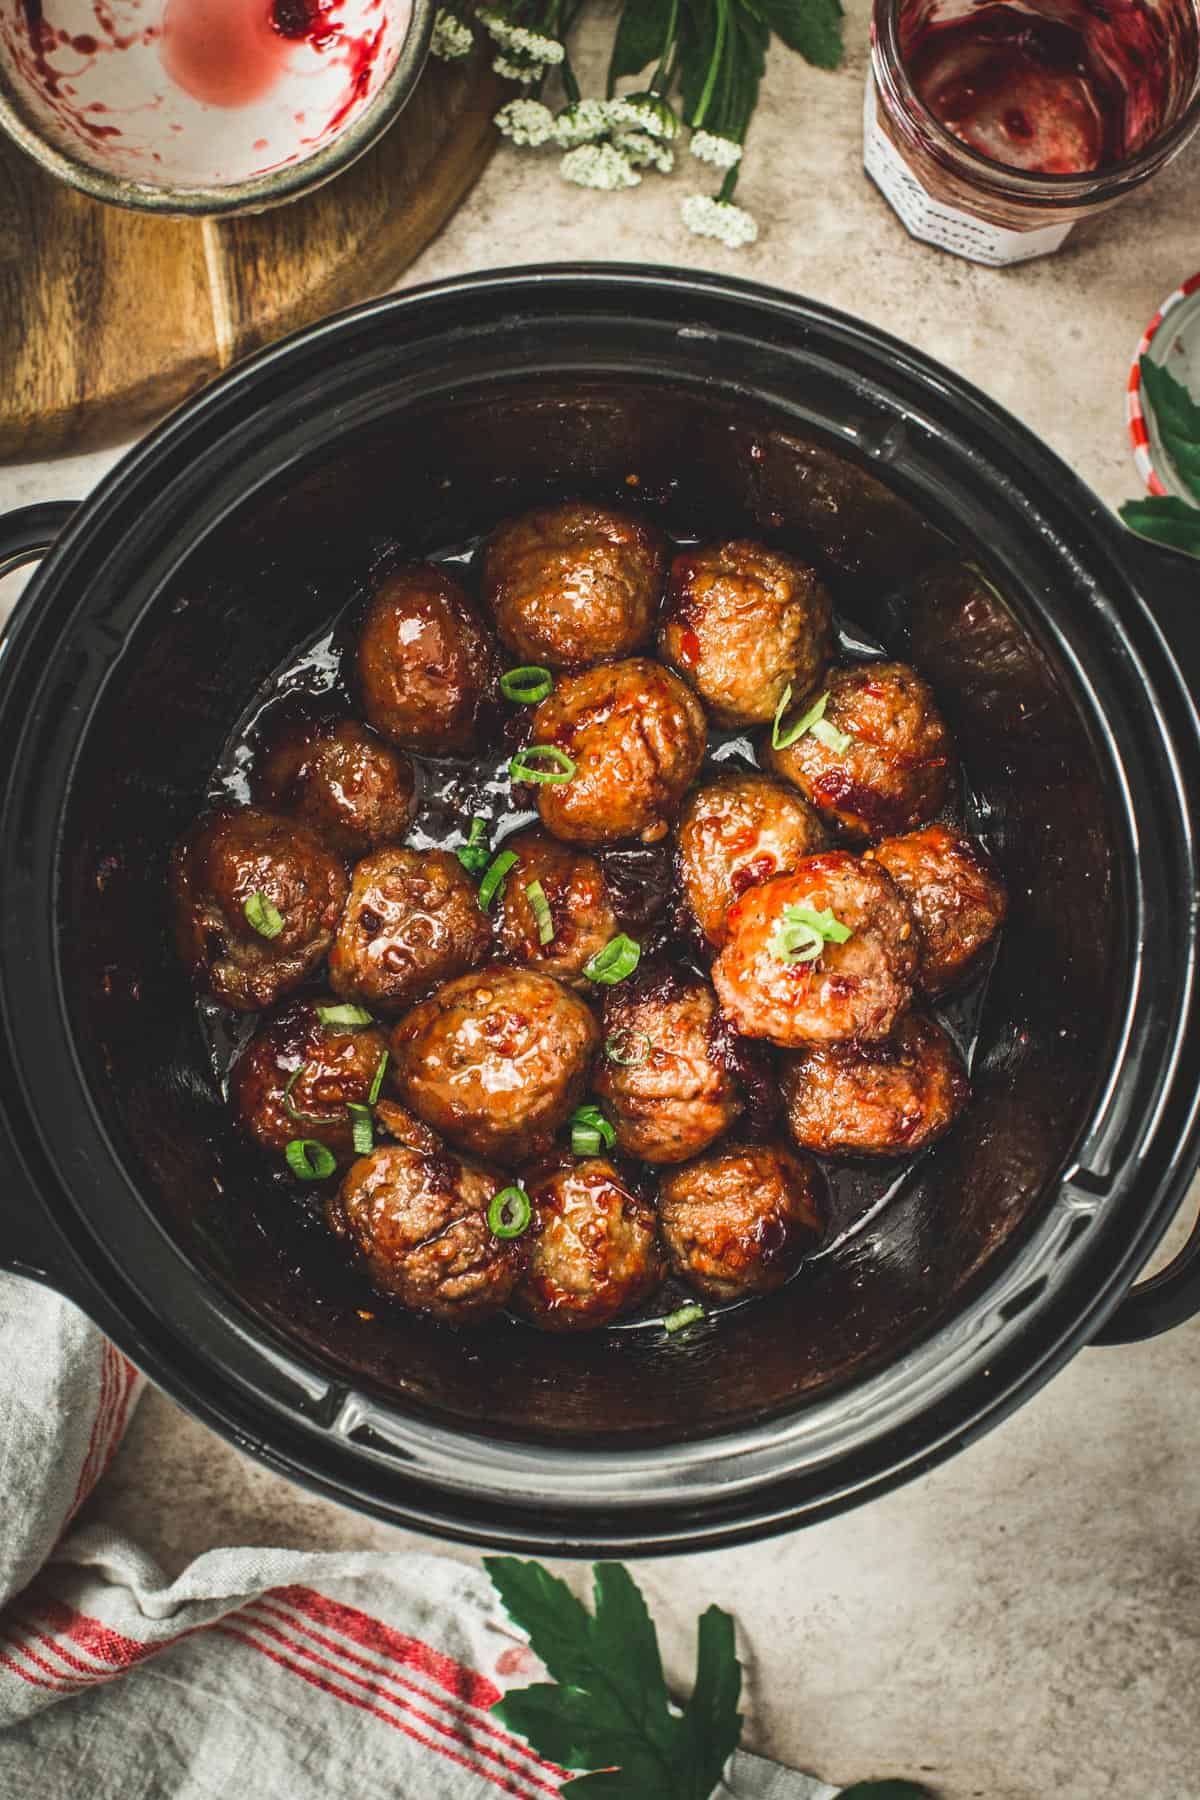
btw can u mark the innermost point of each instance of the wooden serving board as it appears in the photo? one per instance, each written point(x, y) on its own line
point(108, 317)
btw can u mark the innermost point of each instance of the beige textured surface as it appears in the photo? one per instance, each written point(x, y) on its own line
point(1026, 1620)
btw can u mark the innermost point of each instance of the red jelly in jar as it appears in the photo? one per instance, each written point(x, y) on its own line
point(993, 127)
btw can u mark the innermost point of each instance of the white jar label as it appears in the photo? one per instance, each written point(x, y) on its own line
point(935, 223)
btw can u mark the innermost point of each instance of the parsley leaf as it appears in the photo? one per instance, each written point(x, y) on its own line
point(607, 1708)
point(1165, 521)
point(1178, 419)
point(813, 27)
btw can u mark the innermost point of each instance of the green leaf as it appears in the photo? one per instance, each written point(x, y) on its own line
point(887, 1790)
point(543, 1606)
point(626, 1644)
point(1177, 416)
point(1165, 521)
point(568, 1725)
point(641, 37)
point(634, 1781)
point(712, 1723)
point(813, 27)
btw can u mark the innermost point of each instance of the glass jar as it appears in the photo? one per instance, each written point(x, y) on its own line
point(1075, 101)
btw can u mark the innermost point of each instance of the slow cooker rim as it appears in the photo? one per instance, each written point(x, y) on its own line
point(873, 339)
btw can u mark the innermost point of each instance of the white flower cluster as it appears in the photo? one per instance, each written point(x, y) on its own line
point(645, 152)
point(583, 123)
point(642, 112)
point(524, 55)
point(598, 166)
point(721, 219)
point(526, 122)
point(452, 37)
point(721, 152)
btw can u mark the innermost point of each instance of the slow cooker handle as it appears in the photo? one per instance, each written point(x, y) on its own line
point(30, 531)
point(1170, 583)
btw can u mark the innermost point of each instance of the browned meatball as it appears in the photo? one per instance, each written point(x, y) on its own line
point(955, 898)
point(343, 781)
point(426, 666)
point(742, 623)
point(333, 1066)
point(580, 910)
point(875, 1099)
point(420, 1222)
point(734, 833)
point(677, 1096)
point(496, 1060)
point(593, 1250)
point(636, 735)
point(574, 584)
point(853, 989)
point(738, 1220)
point(894, 773)
point(277, 866)
point(413, 919)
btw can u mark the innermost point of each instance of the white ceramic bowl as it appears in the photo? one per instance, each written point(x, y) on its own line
point(205, 106)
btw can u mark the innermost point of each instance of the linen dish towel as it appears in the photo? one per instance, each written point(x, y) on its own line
point(281, 1674)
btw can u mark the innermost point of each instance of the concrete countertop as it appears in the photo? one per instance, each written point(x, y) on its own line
point(1026, 1620)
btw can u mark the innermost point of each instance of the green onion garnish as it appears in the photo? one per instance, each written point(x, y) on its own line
point(813, 720)
point(294, 1113)
point(265, 918)
point(309, 1160)
point(474, 854)
point(377, 1079)
point(509, 1213)
point(494, 880)
point(523, 766)
point(619, 958)
point(527, 685)
point(628, 1049)
point(350, 1016)
point(685, 1316)
point(362, 1132)
point(535, 893)
point(802, 934)
point(590, 1131)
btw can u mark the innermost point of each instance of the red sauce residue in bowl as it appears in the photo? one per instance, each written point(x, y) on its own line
point(229, 53)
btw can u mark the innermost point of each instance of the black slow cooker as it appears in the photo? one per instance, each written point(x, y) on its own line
point(1065, 653)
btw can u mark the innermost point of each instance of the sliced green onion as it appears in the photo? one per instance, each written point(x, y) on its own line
point(535, 893)
point(619, 958)
point(685, 1316)
point(495, 878)
point(362, 1131)
point(474, 854)
point(801, 934)
point(524, 767)
point(628, 1049)
point(310, 1160)
point(813, 720)
point(377, 1079)
point(294, 1113)
point(350, 1016)
point(509, 1213)
point(266, 919)
point(527, 685)
point(590, 1131)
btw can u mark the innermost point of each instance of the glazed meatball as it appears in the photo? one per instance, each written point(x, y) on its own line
point(413, 919)
point(315, 1070)
point(853, 989)
point(580, 910)
point(592, 1247)
point(420, 1222)
point(292, 883)
point(734, 833)
point(636, 735)
point(496, 1060)
point(955, 898)
point(343, 781)
point(426, 665)
point(738, 1220)
point(574, 584)
point(894, 773)
point(678, 1095)
point(742, 623)
point(875, 1099)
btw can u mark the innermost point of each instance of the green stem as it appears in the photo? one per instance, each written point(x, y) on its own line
point(659, 78)
point(730, 182)
point(714, 67)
